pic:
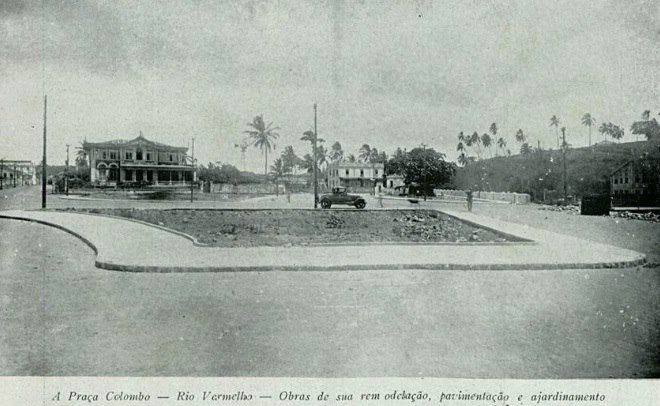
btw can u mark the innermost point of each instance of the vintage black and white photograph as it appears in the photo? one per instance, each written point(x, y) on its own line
point(330, 189)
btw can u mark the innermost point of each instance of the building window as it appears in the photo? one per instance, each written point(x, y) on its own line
point(361, 172)
point(626, 179)
point(346, 172)
point(376, 172)
point(138, 155)
point(113, 155)
point(171, 158)
point(103, 154)
point(148, 156)
point(129, 155)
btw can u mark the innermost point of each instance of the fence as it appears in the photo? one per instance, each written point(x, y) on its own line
point(509, 197)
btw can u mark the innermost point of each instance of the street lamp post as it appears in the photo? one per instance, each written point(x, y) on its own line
point(316, 183)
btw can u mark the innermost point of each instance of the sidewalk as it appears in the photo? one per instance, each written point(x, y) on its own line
point(131, 246)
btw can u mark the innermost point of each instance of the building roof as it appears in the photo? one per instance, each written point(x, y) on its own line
point(135, 142)
point(347, 164)
point(618, 168)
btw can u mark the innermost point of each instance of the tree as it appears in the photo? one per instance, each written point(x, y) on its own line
point(277, 171)
point(647, 127)
point(462, 159)
point(520, 136)
point(81, 158)
point(476, 141)
point(364, 153)
point(460, 147)
point(427, 168)
point(525, 149)
point(554, 121)
point(289, 159)
point(487, 141)
point(336, 153)
point(501, 143)
point(588, 121)
point(351, 158)
point(612, 130)
point(262, 136)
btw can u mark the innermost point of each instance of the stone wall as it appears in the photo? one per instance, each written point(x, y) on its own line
point(514, 198)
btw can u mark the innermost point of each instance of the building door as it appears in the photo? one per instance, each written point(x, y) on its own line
point(139, 175)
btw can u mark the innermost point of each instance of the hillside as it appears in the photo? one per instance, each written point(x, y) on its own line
point(588, 169)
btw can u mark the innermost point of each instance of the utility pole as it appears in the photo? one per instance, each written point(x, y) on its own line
point(14, 179)
point(563, 153)
point(2, 174)
point(192, 178)
point(43, 161)
point(316, 184)
point(66, 172)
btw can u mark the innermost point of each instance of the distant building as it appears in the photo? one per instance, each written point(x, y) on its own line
point(627, 180)
point(356, 176)
point(139, 159)
point(17, 173)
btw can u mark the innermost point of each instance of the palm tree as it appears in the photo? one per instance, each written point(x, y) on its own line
point(487, 141)
point(336, 153)
point(520, 136)
point(351, 158)
point(461, 137)
point(289, 159)
point(476, 140)
point(525, 149)
point(501, 143)
point(588, 121)
point(364, 153)
point(277, 170)
point(554, 121)
point(564, 144)
point(462, 159)
point(646, 115)
point(460, 147)
point(262, 136)
point(81, 158)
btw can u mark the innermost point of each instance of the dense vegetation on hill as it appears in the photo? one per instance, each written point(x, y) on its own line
point(587, 168)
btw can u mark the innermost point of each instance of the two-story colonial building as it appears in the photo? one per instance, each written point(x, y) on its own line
point(139, 159)
point(356, 176)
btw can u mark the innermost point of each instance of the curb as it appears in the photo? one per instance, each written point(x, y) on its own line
point(356, 267)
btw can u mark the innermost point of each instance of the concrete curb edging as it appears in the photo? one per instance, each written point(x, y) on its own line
point(631, 258)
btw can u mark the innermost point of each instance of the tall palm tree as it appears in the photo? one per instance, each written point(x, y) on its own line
point(476, 141)
point(487, 141)
point(554, 121)
point(525, 149)
point(493, 130)
point(461, 137)
point(520, 136)
point(588, 121)
point(501, 143)
point(460, 147)
point(646, 115)
point(262, 137)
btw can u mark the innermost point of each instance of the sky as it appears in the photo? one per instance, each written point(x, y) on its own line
point(390, 74)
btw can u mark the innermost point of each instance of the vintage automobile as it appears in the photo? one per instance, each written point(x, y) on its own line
point(339, 195)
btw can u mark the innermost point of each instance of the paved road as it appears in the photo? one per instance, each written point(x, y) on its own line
point(61, 316)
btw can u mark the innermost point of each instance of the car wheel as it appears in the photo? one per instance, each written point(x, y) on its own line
point(360, 204)
point(325, 204)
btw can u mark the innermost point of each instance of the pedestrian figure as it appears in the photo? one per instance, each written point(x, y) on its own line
point(469, 200)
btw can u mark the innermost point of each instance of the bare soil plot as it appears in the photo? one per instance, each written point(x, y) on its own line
point(247, 228)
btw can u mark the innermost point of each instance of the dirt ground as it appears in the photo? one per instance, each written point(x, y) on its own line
point(240, 228)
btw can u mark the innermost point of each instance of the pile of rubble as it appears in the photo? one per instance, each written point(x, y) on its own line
point(649, 216)
point(433, 227)
point(571, 208)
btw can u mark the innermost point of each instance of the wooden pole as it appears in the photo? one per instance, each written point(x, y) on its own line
point(43, 161)
point(316, 184)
